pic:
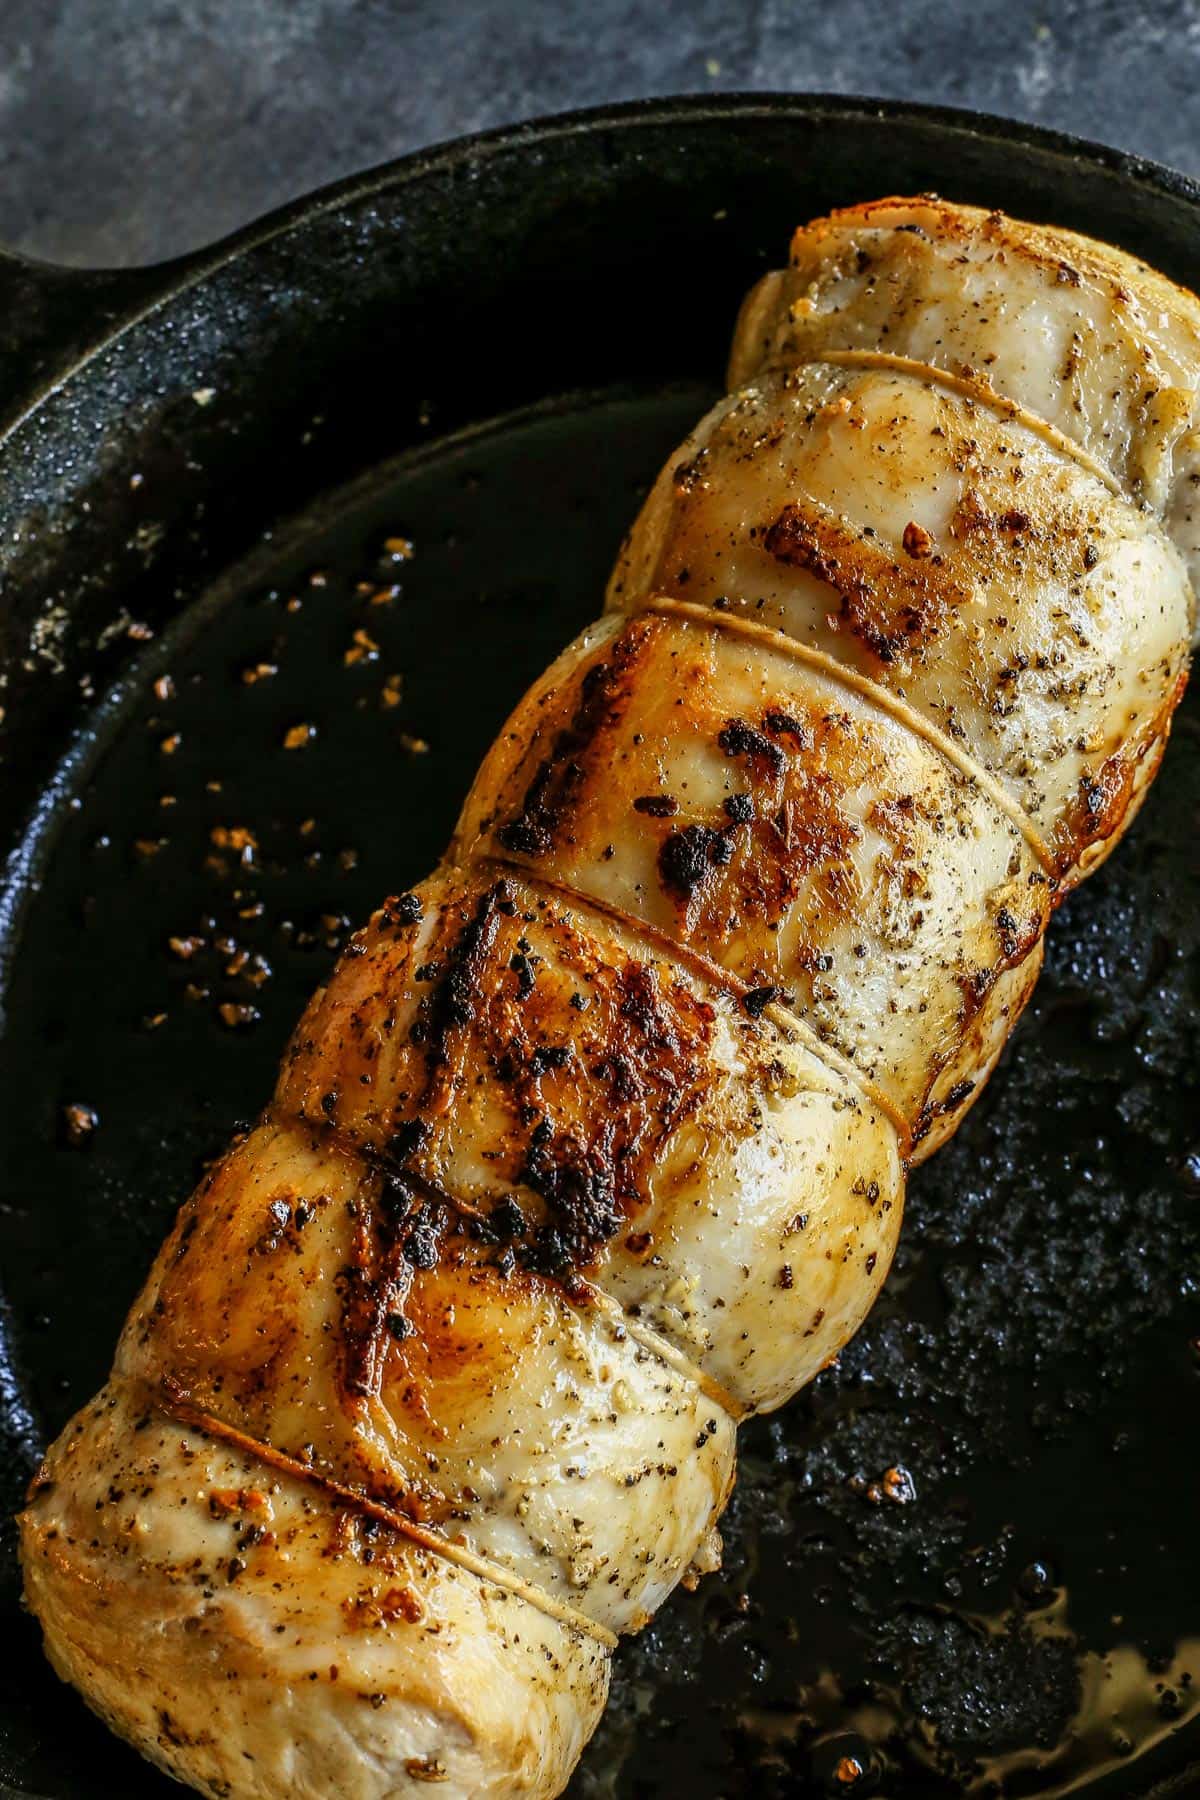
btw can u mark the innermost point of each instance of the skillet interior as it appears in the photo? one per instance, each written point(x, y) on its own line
point(1032, 1364)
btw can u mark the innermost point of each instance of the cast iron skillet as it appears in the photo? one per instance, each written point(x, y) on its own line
point(209, 472)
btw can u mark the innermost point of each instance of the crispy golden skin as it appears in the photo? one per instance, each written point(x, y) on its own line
point(595, 1142)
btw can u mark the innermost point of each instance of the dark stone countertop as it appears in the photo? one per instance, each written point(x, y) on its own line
point(134, 129)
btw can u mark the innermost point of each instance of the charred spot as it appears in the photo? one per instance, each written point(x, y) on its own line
point(737, 738)
point(877, 642)
point(582, 1101)
point(508, 1221)
point(578, 1183)
point(507, 1228)
point(560, 775)
point(522, 968)
point(525, 837)
point(686, 857)
point(421, 1246)
point(739, 808)
point(782, 724)
point(409, 1139)
point(459, 995)
point(589, 1173)
point(758, 999)
point(401, 909)
point(396, 1199)
point(657, 806)
point(624, 1081)
point(550, 1253)
point(957, 1094)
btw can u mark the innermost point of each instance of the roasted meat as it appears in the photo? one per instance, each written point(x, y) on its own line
point(595, 1142)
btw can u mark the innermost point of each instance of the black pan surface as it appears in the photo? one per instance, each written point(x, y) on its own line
point(346, 485)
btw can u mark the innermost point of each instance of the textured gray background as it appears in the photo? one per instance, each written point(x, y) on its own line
point(133, 129)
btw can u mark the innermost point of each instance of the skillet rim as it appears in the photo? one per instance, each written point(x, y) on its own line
point(134, 292)
point(38, 295)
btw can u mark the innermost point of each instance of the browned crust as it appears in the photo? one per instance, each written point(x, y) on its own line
point(1106, 803)
point(882, 697)
point(585, 1094)
point(895, 608)
point(721, 979)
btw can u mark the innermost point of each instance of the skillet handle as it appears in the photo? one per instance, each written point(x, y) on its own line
point(50, 316)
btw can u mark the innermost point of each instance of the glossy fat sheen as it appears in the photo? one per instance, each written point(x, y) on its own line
point(954, 557)
point(257, 1639)
point(1087, 338)
point(871, 883)
point(596, 1140)
point(537, 1434)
